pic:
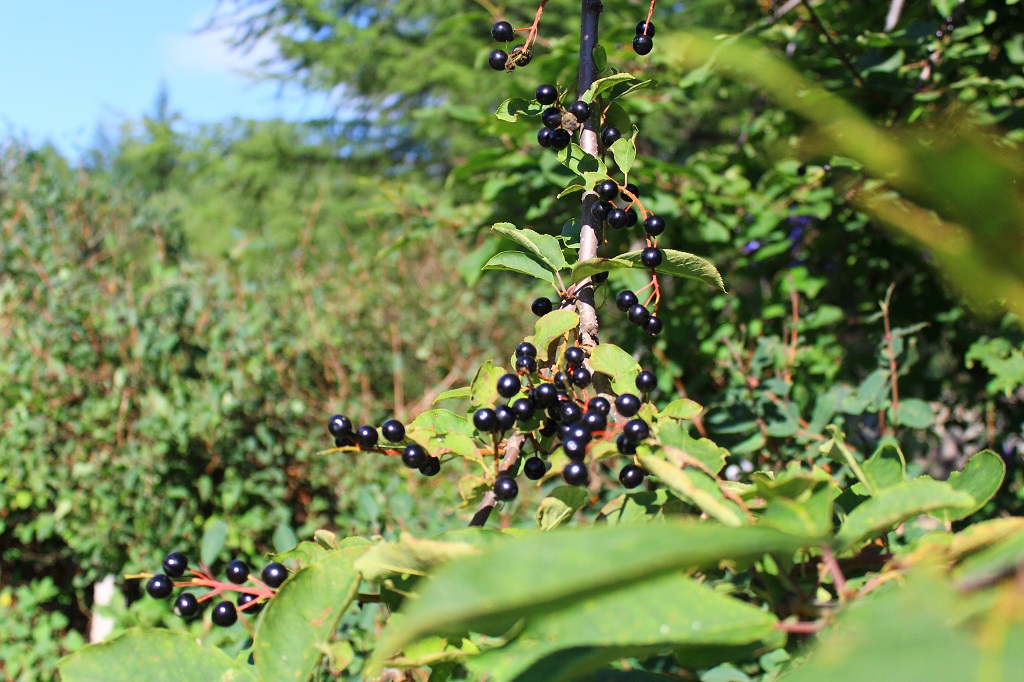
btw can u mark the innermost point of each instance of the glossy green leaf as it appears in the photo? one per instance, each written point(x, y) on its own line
point(155, 656)
point(462, 392)
point(624, 152)
point(510, 109)
point(694, 486)
point(214, 536)
point(559, 506)
point(303, 616)
point(517, 261)
point(593, 266)
point(552, 326)
point(675, 434)
point(897, 504)
point(543, 246)
point(580, 162)
point(981, 479)
point(563, 565)
point(603, 84)
point(640, 507)
point(618, 365)
point(656, 615)
point(810, 516)
point(484, 389)
point(681, 264)
point(684, 408)
point(409, 556)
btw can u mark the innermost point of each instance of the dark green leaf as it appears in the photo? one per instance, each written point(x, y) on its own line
point(681, 264)
point(517, 261)
point(510, 109)
point(545, 247)
point(981, 479)
point(616, 364)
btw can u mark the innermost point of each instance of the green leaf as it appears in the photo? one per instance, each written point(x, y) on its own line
point(657, 615)
point(981, 479)
point(581, 163)
point(592, 266)
point(545, 247)
point(681, 264)
point(624, 152)
point(999, 560)
point(560, 504)
point(684, 408)
point(695, 487)
point(915, 414)
point(565, 565)
point(553, 326)
point(453, 394)
point(303, 616)
point(517, 261)
point(152, 655)
point(442, 422)
point(618, 365)
point(884, 469)
point(409, 556)
point(897, 504)
point(570, 189)
point(510, 109)
point(214, 536)
point(484, 389)
point(603, 84)
point(810, 516)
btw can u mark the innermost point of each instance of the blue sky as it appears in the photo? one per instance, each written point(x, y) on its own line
point(67, 66)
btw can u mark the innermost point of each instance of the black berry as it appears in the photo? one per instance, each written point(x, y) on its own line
point(607, 189)
point(645, 28)
point(274, 574)
point(534, 468)
point(547, 94)
point(631, 217)
point(521, 56)
point(581, 377)
point(526, 348)
point(629, 189)
point(609, 136)
point(600, 278)
point(186, 605)
point(545, 395)
point(366, 437)
point(617, 218)
point(541, 306)
point(654, 225)
point(559, 380)
point(575, 473)
point(638, 314)
point(601, 209)
point(244, 599)
point(485, 420)
point(497, 60)
point(646, 381)
point(526, 364)
point(631, 476)
point(345, 440)
point(580, 109)
point(523, 410)
point(506, 417)
point(551, 117)
point(651, 257)
point(549, 428)
point(600, 404)
point(431, 467)
point(393, 430)
point(574, 449)
point(574, 356)
point(560, 139)
point(339, 425)
point(506, 488)
point(653, 325)
point(159, 586)
point(627, 404)
point(175, 564)
point(643, 45)
point(570, 412)
point(595, 421)
point(544, 137)
point(636, 430)
point(414, 455)
point(625, 300)
point(503, 32)
point(237, 571)
point(624, 445)
point(509, 385)
point(578, 431)
point(224, 614)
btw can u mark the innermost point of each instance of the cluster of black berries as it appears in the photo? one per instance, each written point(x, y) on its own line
point(225, 613)
point(627, 302)
point(559, 123)
point(644, 41)
point(414, 455)
point(617, 217)
point(499, 60)
point(573, 422)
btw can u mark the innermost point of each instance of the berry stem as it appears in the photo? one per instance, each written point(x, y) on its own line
point(532, 30)
point(589, 238)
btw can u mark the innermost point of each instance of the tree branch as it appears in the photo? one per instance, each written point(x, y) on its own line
point(513, 446)
point(589, 237)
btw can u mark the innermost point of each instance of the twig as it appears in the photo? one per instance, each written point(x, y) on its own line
point(831, 566)
point(893, 369)
point(833, 44)
point(513, 446)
